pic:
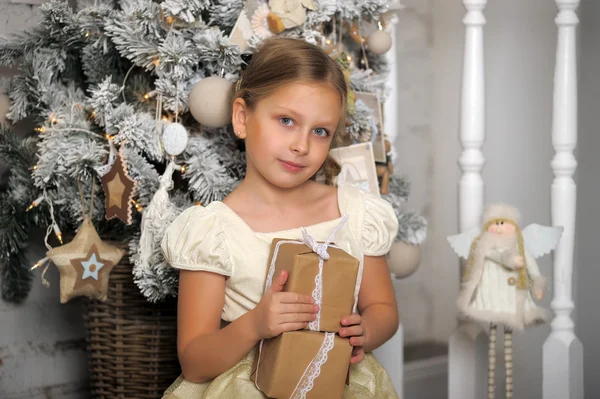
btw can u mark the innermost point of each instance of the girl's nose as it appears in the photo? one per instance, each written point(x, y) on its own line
point(300, 144)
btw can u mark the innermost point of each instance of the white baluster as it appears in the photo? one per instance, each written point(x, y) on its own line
point(563, 352)
point(467, 361)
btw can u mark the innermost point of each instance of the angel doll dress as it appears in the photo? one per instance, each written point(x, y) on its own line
point(216, 239)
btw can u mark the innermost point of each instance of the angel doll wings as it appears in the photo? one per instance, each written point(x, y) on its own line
point(538, 240)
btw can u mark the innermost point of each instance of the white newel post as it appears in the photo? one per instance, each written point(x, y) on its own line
point(563, 352)
point(467, 352)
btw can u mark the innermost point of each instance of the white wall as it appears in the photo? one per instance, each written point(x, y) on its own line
point(414, 150)
point(588, 218)
point(42, 346)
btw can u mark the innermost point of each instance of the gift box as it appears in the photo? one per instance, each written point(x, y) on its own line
point(299, 363)
point(338, 279)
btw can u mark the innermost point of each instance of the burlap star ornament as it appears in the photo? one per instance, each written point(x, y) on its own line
point(118, 189)
point(85, 264)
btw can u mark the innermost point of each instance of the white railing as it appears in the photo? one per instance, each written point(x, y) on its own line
point(563, 352)
point(468, 345)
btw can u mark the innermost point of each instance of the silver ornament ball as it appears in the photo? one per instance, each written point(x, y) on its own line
point(209, 101)
point(379, 42)
point(175, 139)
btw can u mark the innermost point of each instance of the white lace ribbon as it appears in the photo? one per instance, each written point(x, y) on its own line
point(312, 371)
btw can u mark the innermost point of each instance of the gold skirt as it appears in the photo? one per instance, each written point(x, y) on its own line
point(368, 379)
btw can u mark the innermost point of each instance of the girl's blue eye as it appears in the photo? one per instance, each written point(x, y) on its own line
point(321, 132)
point(286, 121)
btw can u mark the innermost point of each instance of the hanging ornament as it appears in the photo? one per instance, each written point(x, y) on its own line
point(174, 139)
point(380, 41)
point(209, 101)
point(4, 108)
point(118, 189)
point(85, 263)
point(112, 156)
point(259, 22)
point(287, 14)
point(157, 215)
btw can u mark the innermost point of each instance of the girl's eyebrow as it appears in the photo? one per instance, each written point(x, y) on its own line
point(297, 115)
point(281, 108)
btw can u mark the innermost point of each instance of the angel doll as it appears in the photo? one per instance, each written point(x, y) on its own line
point(501, 277)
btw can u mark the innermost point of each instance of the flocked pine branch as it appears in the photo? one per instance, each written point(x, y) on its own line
point(224, 13)
point(187, 10)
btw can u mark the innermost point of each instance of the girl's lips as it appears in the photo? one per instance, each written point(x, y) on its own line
point(292, 166)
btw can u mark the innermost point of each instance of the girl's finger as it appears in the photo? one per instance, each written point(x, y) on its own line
point(293, 297)
point(300, 308)
point(296, 317)
point(357, 356)
point(357, 341)
point(351, 331)
point(351, 320)
point(293, 326)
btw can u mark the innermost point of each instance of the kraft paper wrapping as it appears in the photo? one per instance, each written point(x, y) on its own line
point(285, 360)
point(339, 276)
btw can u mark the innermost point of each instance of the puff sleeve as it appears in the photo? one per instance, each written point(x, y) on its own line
point(380, 226)
point(196, 240)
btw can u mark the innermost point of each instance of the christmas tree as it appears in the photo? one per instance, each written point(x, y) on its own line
point(132, 95)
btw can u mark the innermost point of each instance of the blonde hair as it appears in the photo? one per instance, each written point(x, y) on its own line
point(280, 61)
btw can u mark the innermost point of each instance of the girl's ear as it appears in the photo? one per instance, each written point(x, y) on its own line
point(239, 117)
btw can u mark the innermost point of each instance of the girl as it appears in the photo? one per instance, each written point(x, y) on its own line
point(288, 106)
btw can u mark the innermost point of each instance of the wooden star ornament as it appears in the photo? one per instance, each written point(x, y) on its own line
point(85, 264)
point(118, 189)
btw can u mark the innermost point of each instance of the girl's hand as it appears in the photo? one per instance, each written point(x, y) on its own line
point(354, 329)
point(278, 312)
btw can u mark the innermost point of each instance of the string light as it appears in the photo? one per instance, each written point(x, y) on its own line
point(93, 115)
point(170, 20)
point(146, 96)
point(87, 34)
point(57, 233)
point(109, 136)
point(182, 169)
point(164, 118)
point(156, 62)
point(38, 264)
point(349, 58)
point(35, 203)
point(40, 129)
point(137, 206)
point(35, 167)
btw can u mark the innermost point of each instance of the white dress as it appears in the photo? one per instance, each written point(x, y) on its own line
point(216, 239)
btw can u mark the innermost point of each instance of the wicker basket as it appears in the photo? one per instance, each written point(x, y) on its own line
point(132, 344)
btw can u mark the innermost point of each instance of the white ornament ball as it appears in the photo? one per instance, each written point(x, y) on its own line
point(4, 108)
point(379, 42)
point(404, 259)
point(209, 101)
point(175, 139)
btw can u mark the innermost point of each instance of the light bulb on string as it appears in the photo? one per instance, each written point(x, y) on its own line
point(138, 207)
point(35, 203)
point(57, 232)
